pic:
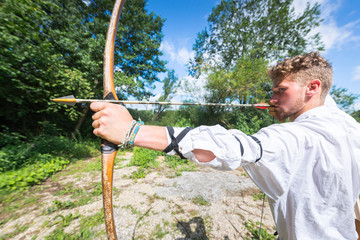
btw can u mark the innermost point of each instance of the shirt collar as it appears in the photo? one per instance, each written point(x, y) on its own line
point(312, 112)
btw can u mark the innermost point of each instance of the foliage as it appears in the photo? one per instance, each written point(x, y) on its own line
point(32, 174)
point(53, 48)
point(242, 83)
point(175, 162)
point(43, 149)
point(143, 157)
point(137, 49)
point(85, 230)
point(251, 121)
point(23, 164)
point(343, 98)
point(242, 38)
point(169, 88)
point(257, 233)
point(179, 165)
point(200, 200)
point(146, 159)
point(268, 29)
point(356, 115)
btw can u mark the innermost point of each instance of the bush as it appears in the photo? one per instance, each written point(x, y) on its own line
point(32, 174)
point(43, 149)
point(24, 164)
point(144, 157)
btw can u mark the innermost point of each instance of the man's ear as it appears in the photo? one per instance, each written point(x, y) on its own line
point(313, 87)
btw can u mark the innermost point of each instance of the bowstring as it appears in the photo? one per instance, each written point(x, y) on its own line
point(262, 81)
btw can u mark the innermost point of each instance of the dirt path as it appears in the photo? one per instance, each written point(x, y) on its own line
point(201, 204)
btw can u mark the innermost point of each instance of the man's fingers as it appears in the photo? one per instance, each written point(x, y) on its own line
point(98, 106)
point(96, 124)
point(100, 109)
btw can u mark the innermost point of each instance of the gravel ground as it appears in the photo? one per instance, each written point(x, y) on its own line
point(201, 204)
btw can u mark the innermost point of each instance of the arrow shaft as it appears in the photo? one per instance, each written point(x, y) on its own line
point(73, 100)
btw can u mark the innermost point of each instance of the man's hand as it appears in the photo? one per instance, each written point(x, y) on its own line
point(111, 121)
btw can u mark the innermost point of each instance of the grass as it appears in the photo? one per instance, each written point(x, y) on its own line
point(67, 221)
point(200, 200)
point(259, 196)
point(254, 232)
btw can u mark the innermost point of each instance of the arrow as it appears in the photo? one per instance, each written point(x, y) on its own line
point(71, 101)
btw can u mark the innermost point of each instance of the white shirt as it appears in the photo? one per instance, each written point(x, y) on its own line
point(309, 169)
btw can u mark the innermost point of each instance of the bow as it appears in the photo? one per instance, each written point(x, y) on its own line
point(109, 150)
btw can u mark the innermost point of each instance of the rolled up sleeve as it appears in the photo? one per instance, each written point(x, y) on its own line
point(231, 148)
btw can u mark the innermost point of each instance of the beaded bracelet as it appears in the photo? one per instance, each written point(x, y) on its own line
point(132, 138)
point(128, 140)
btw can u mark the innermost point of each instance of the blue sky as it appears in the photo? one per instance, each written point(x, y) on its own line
point(340, 32)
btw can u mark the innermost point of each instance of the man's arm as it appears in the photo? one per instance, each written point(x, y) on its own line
point(111, 122)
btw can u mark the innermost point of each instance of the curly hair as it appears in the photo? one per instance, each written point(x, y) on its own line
point(303, 69)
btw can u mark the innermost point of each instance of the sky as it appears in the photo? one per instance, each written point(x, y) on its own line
point(340, 32)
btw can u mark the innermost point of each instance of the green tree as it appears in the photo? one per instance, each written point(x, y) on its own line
point(243, 83)
point(268, 29)
point(138, 41)
point(343, 98)
point(234, 52)
point(53, 48)
point(356, 115)
point(169, 88)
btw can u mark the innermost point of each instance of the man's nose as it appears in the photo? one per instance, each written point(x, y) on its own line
point(273, 100)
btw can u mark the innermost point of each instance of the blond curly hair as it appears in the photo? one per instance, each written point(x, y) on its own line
point(305, 68)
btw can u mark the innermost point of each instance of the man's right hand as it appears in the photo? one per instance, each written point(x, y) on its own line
point(111, 121)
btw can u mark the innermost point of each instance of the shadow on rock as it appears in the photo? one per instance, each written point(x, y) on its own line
point(186, 229)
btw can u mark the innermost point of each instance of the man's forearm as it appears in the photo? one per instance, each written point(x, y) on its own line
point(152, 137)
point(155, 137)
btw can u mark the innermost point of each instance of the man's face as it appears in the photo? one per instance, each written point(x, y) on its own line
point(288, 99)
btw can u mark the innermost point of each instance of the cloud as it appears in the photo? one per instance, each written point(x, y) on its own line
point(179, 55)
point(356, 74)
point(168, 49)
point(332, 34)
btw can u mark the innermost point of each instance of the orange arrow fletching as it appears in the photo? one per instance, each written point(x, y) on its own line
point(68, 100)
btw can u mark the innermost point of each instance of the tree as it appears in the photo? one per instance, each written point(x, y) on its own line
point(267, 29)
point(356, 115)
point(169, 87)
point(53, 48)
point(234, 52)
point(343, 98)
point(137, 48)
point(242, 83)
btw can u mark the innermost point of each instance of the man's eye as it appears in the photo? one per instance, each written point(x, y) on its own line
point(281, 90)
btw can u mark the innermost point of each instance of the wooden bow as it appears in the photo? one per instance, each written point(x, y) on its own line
point(109, 150)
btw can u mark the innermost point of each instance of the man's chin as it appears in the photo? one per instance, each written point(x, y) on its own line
point(280, 117)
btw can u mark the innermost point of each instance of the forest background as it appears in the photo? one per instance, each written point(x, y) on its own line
point(54, 48)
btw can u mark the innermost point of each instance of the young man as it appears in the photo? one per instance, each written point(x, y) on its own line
point(309, 167)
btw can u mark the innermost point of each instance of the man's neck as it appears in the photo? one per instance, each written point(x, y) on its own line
point(314, 102)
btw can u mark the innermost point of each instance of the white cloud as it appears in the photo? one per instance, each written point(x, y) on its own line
point(332, 34)
point(184, 55)
point(178, 55)
point(169, 49)
point(356, 74)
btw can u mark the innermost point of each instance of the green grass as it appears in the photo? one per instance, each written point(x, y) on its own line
point(256, 233)
point(200, 200)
